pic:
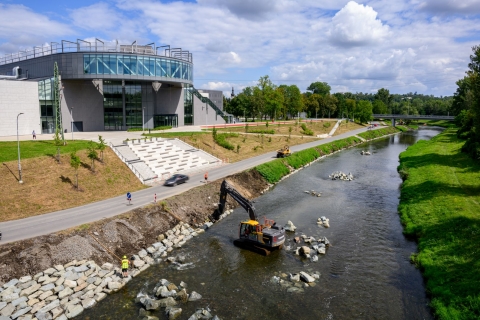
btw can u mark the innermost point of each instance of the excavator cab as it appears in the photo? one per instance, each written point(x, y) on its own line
point(253, 235)
point(285, 152)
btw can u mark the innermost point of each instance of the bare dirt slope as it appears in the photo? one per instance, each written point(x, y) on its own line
point(125, 234)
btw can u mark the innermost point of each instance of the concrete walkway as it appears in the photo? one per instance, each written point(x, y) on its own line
point(60, 220)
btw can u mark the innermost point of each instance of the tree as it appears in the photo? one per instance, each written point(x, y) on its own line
point(472, 145)
point(330, 103)
point(364, 111)
point(75, 163)
point(311, 104)
point(293, 101)
point(101, 146)
point(321, 88)
point(351, 106)
point(384, 96)
point(379, 107)
point(92, 153)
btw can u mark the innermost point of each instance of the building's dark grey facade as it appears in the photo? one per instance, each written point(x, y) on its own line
point(111, 87)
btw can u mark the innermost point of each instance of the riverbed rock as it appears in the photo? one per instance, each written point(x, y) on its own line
point(194, 296)
point(290, 226)
point(305, 250)
point(167, 302)
point(306, 277)
point(295, 277)
point(173, 312)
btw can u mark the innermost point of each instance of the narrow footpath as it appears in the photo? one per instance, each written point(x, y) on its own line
point(60, 220)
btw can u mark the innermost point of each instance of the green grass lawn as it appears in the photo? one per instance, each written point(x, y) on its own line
point(32, 149)
point(440, 206)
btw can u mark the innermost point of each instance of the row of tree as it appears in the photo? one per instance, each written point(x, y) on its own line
point(269, 101)
point(466, 106)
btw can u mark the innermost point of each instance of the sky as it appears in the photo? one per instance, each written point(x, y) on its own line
point(421, 46)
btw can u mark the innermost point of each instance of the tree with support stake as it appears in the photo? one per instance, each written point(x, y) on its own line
point(75, 163)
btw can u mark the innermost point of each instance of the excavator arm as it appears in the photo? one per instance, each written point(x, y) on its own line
point(227, 189)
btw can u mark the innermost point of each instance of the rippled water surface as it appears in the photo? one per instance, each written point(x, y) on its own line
point(365, 274)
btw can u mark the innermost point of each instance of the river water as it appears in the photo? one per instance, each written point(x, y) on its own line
point(365, 274)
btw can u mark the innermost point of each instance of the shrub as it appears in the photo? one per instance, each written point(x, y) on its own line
point(162, 128)
point(306, 131)
point(326, 124)
point(273, 171)
point(221, 140)
point(301, 158)
point(262, 131)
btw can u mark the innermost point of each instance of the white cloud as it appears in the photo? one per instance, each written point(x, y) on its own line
point(22, 28)
point(399, 45)
point(357, 25)
point(450, 7)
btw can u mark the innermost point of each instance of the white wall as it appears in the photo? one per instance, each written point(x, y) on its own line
point(202, 117)
point(16, 97)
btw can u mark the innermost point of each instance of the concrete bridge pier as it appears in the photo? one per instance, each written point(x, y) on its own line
point(393, 122)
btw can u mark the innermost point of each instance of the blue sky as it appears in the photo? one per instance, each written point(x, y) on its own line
point(418, 46)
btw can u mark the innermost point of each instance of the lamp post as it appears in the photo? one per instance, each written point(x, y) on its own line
point(206, 112)
point(18, 144)
point(72, 121)
point(143, 119)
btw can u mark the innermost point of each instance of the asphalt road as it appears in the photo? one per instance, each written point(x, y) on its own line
point(60, 220)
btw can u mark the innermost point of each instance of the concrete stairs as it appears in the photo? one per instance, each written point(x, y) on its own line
point(158, 159)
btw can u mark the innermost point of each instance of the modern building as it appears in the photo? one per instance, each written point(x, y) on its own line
point(103, 87)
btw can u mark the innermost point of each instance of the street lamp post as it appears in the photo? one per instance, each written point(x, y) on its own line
point(143, 119)
point(206, 113)
point(18, 144)
point(72, 121)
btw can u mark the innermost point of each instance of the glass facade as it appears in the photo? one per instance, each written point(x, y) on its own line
point(136, 65)
point(113, 105)
point(188, 106)
point(160, 120)
point(47, 109)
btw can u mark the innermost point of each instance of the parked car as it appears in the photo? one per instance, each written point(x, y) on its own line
point(176, 179)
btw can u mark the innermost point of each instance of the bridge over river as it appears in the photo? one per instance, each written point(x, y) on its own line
point(394, 117)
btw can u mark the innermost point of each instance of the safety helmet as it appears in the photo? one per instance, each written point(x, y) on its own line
point(124, 257)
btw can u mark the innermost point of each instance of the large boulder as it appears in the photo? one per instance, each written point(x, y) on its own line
point(194, 296)
point(306, 277)
point(173, 312)
point(151, 304)
point(290, 227)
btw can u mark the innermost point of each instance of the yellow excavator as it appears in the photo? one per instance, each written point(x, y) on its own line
point(285, 152)
point(258, 237)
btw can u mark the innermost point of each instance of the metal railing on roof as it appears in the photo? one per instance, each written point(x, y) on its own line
point(96, 46)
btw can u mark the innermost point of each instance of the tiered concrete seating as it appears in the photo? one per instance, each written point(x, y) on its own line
point(168, 156)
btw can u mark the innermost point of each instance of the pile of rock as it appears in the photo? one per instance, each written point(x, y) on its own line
point(297, 282)
point(168, 295)
point(365, 153)
point(323, 221)
point(317, 246)
point(64, 291)
point(339, 175)
point(314, 193)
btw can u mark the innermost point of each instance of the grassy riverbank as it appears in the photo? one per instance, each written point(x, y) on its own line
point(440, 206)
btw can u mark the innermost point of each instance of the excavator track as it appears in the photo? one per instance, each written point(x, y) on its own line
point(251, 247)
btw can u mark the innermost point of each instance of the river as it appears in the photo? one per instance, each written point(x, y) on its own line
point(365, 274)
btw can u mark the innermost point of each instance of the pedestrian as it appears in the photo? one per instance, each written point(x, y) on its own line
point(206, 177)
point(125, 265)
point(34, 135)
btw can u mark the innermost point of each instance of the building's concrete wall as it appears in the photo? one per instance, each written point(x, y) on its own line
point(202, 115)
point(215, 96)
point(86, 99)
point(16, 97)
point(169, 100)
point(148, 105)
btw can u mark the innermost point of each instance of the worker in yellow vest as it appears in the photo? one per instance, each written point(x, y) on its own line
point(125, 265)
